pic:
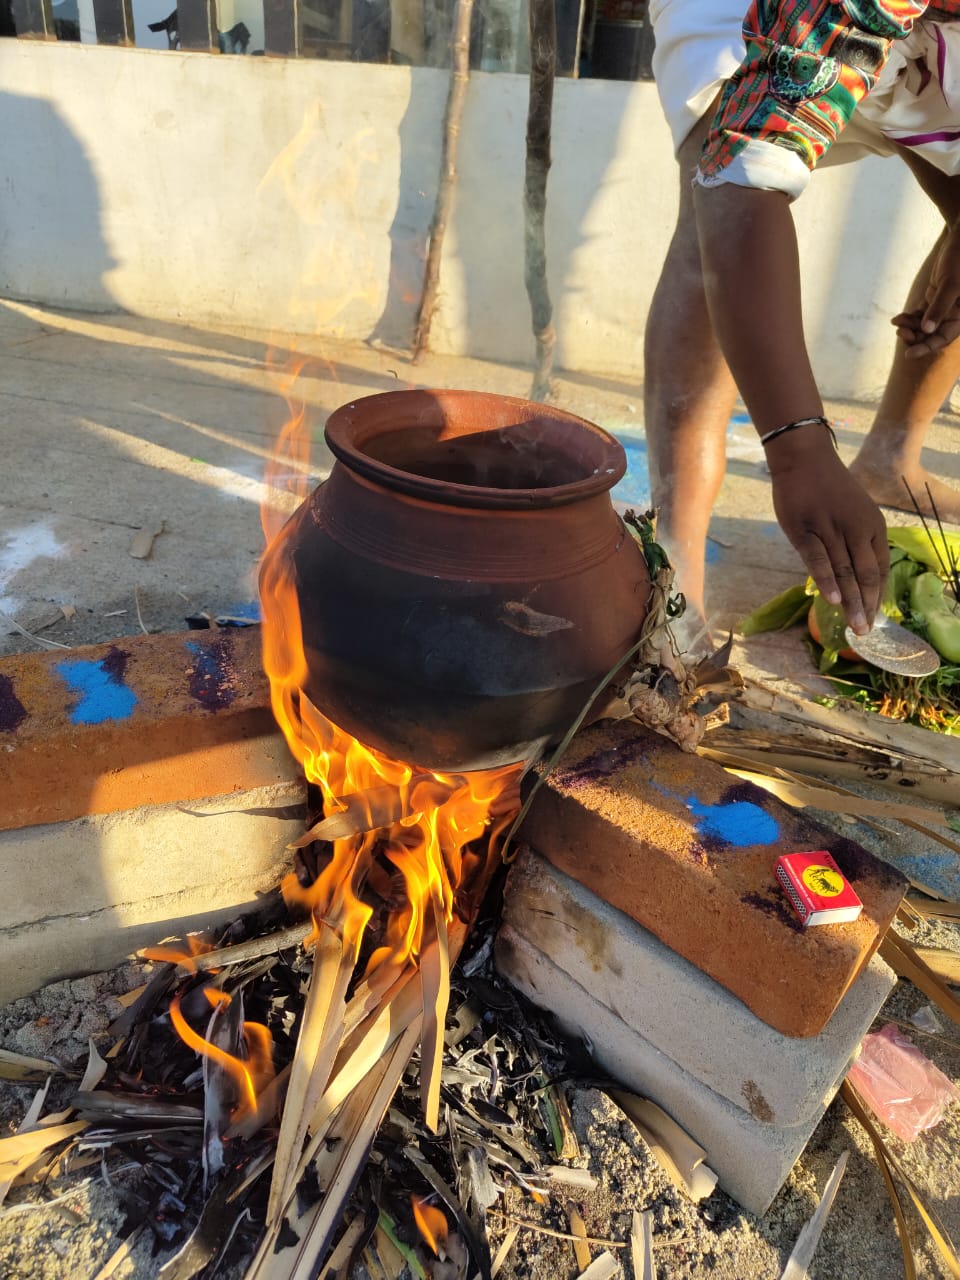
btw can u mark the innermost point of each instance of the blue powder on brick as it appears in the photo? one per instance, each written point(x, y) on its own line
point(103, 695)
point(737, 822)
point(212, 679)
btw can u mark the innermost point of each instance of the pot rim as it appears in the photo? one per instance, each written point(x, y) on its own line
point(355, 424)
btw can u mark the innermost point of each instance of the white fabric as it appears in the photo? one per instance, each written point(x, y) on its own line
point(916, 103)
point(699, 45)
point(763, 165)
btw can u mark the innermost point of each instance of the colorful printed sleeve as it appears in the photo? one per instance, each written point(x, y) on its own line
point(808, 64)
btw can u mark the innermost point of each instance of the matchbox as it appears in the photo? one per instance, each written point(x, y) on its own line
point(818, 890)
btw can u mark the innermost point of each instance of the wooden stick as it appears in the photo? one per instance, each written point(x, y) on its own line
point(253, 949)
point(525, 1224)
point(543, 65)
point(456, 97)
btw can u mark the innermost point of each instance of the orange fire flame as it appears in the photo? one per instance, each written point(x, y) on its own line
point(424, 829)
point(431, 1223)
point(249, 1076)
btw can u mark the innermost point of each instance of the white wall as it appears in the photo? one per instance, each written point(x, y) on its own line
point(298, 196)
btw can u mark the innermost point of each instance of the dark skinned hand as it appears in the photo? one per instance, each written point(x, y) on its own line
point(935, 325)
point(833, 523)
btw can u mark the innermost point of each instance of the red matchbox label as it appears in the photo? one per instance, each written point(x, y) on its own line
point(817, 888)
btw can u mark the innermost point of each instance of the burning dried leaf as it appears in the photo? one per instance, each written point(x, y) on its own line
point(356, 1126)
point(216, 1224)
point(435, 981)
point(101, 1104)
point(481, 1189)
point(369, 810)
point(29, 1121)
point(316, 1047)
point(641, 1246)
point(478, 1248)
point(143, 540)
point(402, 1253)
point(254, 949)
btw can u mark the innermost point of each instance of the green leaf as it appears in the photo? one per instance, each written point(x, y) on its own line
point(831, 625)
point(782, 611)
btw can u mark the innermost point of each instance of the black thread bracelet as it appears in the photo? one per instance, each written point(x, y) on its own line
point(792, 426)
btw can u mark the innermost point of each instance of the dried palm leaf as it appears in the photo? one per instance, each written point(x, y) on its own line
point(641, 1246)
point(798, 1264)
point(671, 1146)
point(906, 963)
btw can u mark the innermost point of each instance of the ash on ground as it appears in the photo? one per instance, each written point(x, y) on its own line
point(75, 1224)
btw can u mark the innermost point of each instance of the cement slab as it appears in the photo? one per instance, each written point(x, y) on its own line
point(79, 896)
point(679, 1010)
point(751, 1159)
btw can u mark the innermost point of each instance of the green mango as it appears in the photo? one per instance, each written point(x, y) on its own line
point(938, 613)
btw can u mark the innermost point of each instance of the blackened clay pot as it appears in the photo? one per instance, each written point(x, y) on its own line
point(464, 581)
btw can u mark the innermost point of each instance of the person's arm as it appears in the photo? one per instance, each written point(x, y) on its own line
point(751, 273)
point(805, 68)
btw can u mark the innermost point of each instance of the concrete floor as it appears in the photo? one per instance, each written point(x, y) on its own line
point(114, 423)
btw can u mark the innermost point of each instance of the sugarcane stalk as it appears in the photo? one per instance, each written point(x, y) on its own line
point(543, 67)
point(456, 97)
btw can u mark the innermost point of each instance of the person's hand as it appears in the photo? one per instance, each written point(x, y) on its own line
point(935, 325)
point(833, 523)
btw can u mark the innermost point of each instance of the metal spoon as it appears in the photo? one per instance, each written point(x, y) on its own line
point(893, 648)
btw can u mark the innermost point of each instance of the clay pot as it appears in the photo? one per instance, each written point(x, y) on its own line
point(463, 578)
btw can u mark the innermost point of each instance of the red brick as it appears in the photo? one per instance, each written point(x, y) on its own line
point(688, 851)
point(144, 720)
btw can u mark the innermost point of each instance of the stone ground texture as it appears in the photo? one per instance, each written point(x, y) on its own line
point(109, 424)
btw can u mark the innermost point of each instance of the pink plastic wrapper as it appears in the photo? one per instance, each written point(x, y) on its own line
point(901, 1086)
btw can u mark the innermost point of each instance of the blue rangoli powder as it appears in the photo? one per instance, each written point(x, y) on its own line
point(103, 695)
point(738, 822)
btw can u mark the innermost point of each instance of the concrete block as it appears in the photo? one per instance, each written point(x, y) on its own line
point(80, 896)
point(677, 1009)
point(144, 720)
point(689, 853)
point(751, 1159)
